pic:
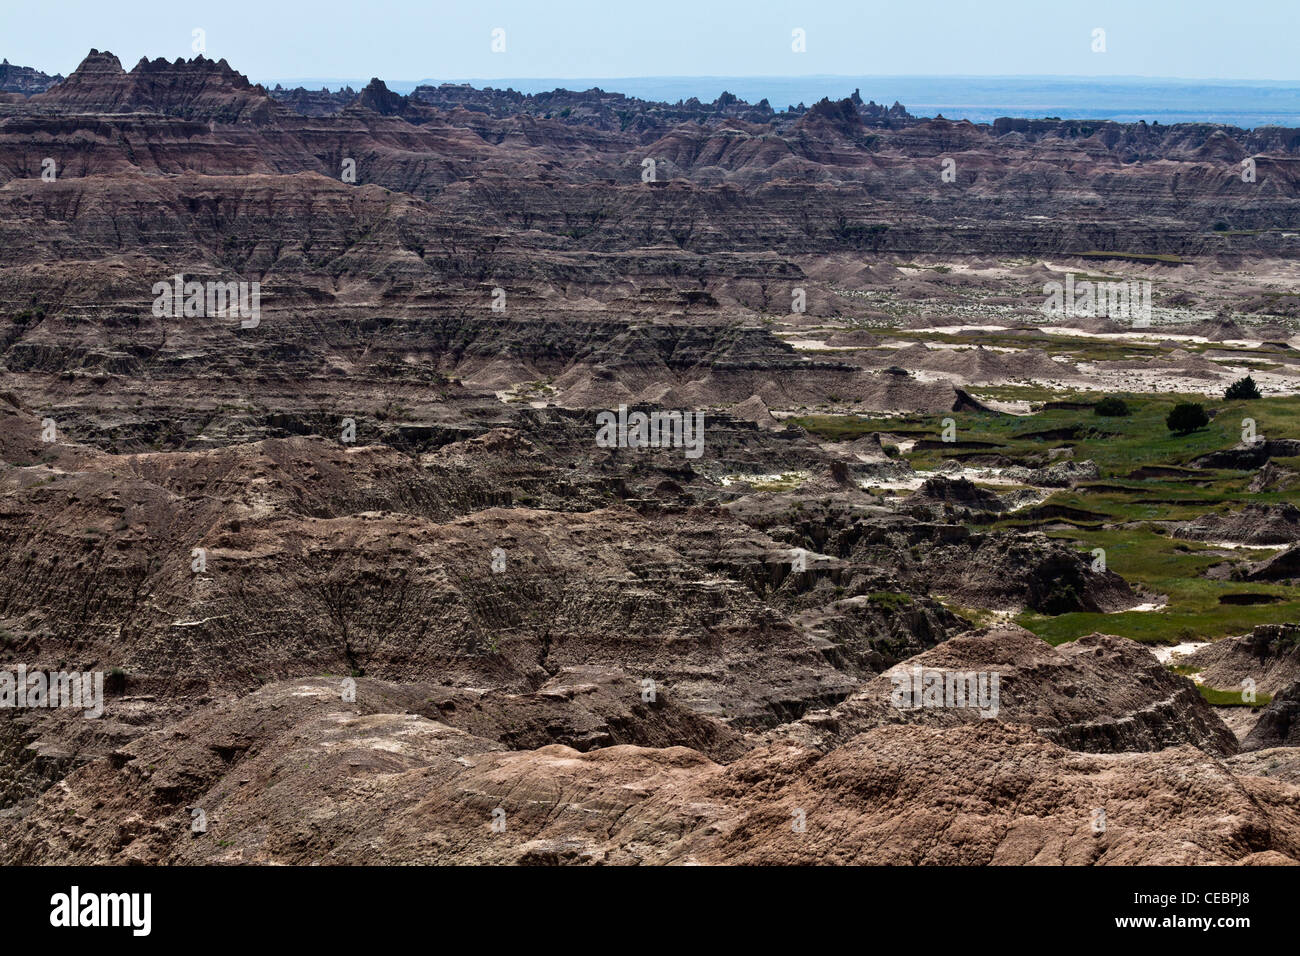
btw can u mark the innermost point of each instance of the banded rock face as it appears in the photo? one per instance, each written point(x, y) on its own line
point(1269, 655)
point(1099, 694)
point(1278, 724)
point(291, 774)
point(24, 79)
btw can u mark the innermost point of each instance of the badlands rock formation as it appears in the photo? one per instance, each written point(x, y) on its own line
point(291, 775)
point(365, 584)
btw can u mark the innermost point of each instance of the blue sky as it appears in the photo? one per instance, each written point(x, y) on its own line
point(408, 40)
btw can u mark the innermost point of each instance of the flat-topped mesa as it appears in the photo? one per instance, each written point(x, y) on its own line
point(193, 89)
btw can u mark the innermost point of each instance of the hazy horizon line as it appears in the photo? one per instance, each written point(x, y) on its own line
point(1118, 77)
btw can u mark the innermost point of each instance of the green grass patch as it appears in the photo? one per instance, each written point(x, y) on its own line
point(1173, 568)
point(1231, 698)
point(1118, 513)
point(1118, 445)
point(1034, 394)
point(837, 427)
point(890, 600)
point(978, 616)
point(1163, 258)
point(787, 482)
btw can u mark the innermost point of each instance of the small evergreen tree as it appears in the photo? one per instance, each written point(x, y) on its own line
point(1111, 407)
point(1186, 417)
point(1243, 388)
